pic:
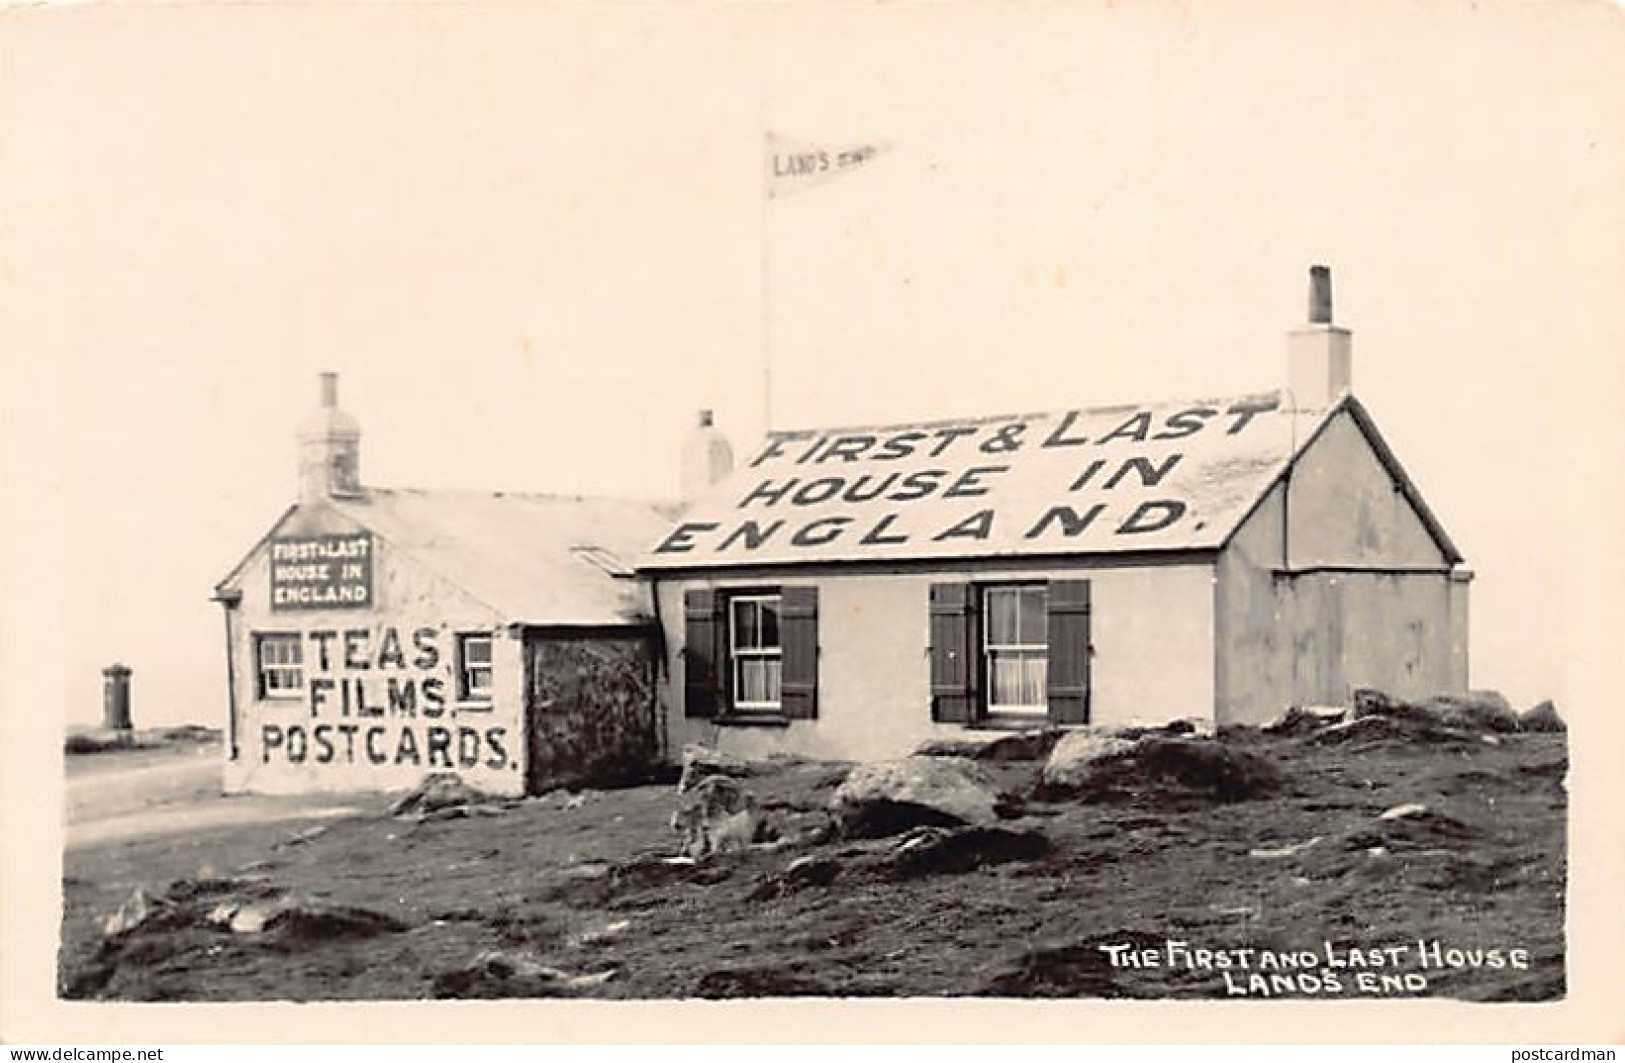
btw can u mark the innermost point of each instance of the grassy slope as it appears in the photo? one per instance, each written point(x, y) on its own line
point(532, 881)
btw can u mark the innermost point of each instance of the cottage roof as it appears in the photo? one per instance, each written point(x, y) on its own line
point(1172, 476)
point(559, 560)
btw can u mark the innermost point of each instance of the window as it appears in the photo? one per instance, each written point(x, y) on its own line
point(474, 667)
point(280, 662)
point(1016, 649)
point(755, 653)
point(1005, 651)
point(750, 656)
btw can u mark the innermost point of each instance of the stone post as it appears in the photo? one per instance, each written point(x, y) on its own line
point(116, 698)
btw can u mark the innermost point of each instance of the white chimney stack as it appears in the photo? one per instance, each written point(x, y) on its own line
point(1320, 356)
point(329, 449)
point(707, 457)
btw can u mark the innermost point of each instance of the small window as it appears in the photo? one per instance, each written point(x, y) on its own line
point(755, 653)
point(474, 669)
point(280, 662)
point(1016, 649)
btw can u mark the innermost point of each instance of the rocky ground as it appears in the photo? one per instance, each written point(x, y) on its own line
point(1408, 851)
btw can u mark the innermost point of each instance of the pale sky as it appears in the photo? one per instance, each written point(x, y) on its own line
point(530, 238)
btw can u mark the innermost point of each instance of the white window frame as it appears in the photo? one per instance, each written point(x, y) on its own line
point(469, 688)
point(991, 648)
point(738, 654)
point(283, 678)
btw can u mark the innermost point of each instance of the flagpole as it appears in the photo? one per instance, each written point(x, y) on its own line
point(766, 300)
point(806, 166)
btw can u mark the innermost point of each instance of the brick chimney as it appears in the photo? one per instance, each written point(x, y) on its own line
point(1320, 355)
point(707, 457)
point(329, 449)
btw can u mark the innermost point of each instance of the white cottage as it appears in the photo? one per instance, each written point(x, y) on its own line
point(851, 592)
point(377, 635)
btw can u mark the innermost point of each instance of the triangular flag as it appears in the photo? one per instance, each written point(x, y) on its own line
point(792, 166)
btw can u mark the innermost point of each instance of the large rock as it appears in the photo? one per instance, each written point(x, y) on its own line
point(312, 920)
point(994, 745)
point(1166, 772)
point(939, 850)
point(703, 762)
point(1368, 703)
point(1305, 719)
point(438, 794)
point(1071, 761)
point(791, 828)
point(134, 912)
point(892, 796)
point(804, 872)
point(1542, 717)
point(498, 974)
point(1366, 732)
point(1476, 710)
point(250, 905)
point(1196, 726)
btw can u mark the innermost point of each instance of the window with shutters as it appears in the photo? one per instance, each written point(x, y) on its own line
point(750, 655)
point(1010, 651)
point(1015, 650)
point(755, 652)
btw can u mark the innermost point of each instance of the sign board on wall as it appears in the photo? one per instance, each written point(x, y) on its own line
point(1159, 477)
point(322, 572)
point(378, 697)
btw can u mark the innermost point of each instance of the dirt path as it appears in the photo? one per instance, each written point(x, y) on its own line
point(104, 793)
point(113, 797)
point(213, 814)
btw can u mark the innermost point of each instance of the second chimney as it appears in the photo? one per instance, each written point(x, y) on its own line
point(1320, 355)
point(707, 457)
point(329, 449)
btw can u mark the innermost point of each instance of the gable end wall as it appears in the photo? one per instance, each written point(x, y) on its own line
point(352, 751)
point(1347, 510)
point(1333, 583)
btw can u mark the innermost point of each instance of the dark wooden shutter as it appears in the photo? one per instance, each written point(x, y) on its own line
point(798, 636)
point(702, 652)
point(954, 665)
point(1069, 651)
